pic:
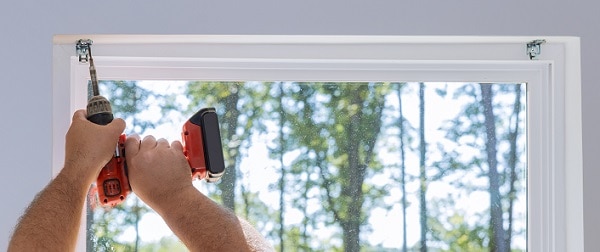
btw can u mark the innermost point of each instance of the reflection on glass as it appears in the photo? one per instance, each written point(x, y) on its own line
point(374, 166)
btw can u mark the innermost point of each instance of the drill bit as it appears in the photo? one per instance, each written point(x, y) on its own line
point(93, 76)
point(99, 110)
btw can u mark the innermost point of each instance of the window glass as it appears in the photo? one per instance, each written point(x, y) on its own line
point(321, 166)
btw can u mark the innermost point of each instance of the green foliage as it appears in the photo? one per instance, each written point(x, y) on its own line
point(454, 229)
point(472, 133)
point(324, 142)
point(343, 141)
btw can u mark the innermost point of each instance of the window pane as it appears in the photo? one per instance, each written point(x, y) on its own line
point(321, 166)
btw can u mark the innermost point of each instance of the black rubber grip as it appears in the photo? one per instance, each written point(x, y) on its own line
point(101, 118)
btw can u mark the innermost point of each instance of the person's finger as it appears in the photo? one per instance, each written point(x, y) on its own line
point(79, 114)
point(149, 142)
point(132, 144)
point(161, 142)
point(177, 145)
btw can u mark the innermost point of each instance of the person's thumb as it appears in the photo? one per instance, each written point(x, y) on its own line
point(118, 125)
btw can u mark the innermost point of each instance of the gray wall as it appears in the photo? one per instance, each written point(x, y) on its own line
point(26, 59)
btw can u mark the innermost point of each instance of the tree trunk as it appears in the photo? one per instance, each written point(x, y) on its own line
point(355, 130)
point(422, 171)
point(497, 241)
point(89, 222)
point(353, 188)
point(304, 237)
point(512, 163)
point(138, 217)
point(402, 168)
point(319, 162)
point(230, 119)
point(282, 184)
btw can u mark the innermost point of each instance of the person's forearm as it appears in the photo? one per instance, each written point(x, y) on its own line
point(51, 222)
point(255, 240)
point(203, 225)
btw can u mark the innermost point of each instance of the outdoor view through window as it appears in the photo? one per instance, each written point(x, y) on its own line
point(355, 166)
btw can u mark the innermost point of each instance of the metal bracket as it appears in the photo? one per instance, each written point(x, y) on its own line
point(534, 48)
point(82, 48)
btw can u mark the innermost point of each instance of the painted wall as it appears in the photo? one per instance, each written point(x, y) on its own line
point(26, 59)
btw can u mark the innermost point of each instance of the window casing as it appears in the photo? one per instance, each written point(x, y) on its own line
point(555, 201)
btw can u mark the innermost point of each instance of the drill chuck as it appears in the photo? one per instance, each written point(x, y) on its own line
point(99, 110)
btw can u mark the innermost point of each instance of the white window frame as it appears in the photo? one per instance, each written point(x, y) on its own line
point(555, 177)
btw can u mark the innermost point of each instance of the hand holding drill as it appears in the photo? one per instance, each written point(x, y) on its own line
point(201, 145)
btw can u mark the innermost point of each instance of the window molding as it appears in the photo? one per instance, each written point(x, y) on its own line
point(555, 177)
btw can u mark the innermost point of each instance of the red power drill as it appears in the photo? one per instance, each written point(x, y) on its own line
point(201, 140)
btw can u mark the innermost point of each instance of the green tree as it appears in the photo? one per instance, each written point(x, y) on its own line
point(480, 129)
point(402, 136)
point(305, 135)
point(279, 151)
point(513, 135)
point(422, 169)
point(334, 130)
point(455, 230)
point(497, 243)
point(348, 130)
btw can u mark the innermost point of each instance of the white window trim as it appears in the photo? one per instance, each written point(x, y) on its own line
point(555, 192)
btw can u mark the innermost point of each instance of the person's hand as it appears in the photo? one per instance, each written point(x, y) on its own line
point(90, 146)
point(157, 171)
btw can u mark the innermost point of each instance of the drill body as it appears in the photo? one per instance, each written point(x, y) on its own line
point(113, 183)
point(202, 148)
